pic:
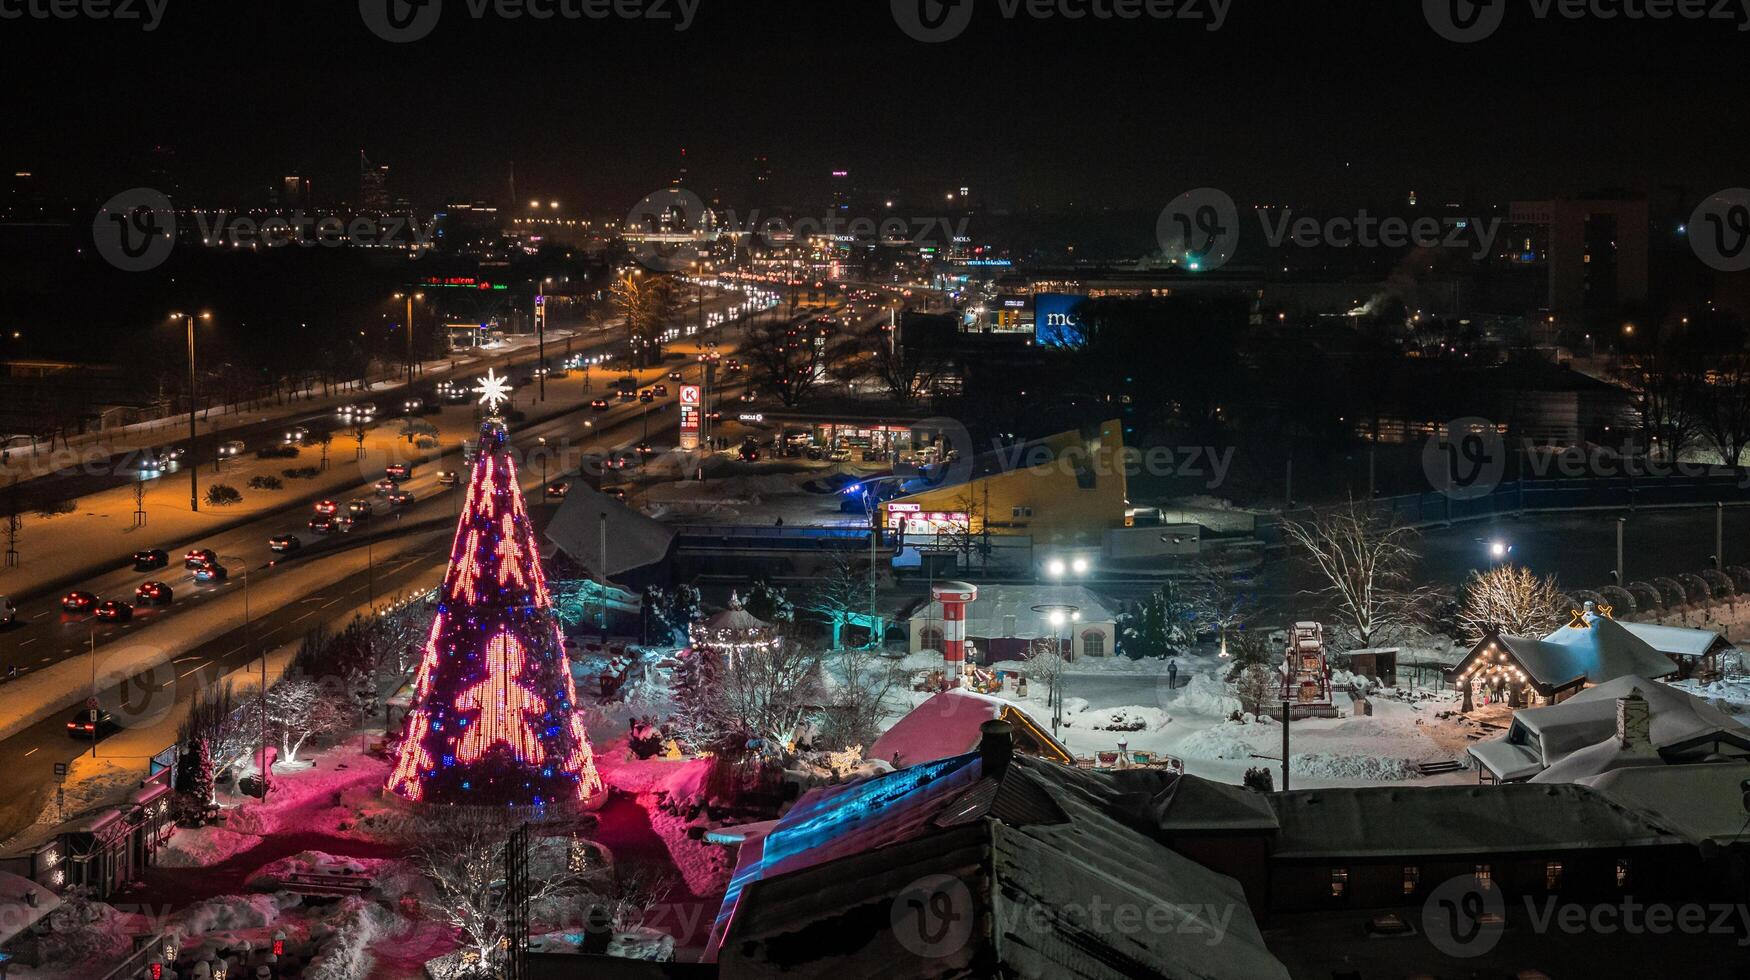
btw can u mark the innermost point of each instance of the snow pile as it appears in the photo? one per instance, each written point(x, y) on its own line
point(232, 913)
point(1223, 741)
point(1130, 718)
point(271, 875)
point(347, 937)
point(203, 847)
point(1206, 695)
point(1324, 765)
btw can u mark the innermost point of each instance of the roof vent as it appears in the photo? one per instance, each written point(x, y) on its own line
point(996, 747)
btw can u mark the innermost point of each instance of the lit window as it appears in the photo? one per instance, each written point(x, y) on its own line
point(1552, 875)
point(1485, 877)
point(1093, 644)
point(1339, 882)
point(1412, 878)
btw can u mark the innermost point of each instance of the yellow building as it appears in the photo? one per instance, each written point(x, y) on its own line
point(1064, 490)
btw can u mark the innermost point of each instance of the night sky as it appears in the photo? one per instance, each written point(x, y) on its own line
point(1291, 101)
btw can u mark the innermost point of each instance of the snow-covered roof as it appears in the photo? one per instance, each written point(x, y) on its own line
point(947, 724)
point(1577, 738)
point(988, 615)
point(1204, 804)
point(1679, 641)
point(1601, 651)
point(1023, 846)
point(634, 541)
point(736, 619)
point(18, 915)
point(1439, 820)
point(1701, 800)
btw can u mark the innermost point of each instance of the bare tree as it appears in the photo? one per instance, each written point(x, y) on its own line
point(770, 688)
point(840, 595)
point(1365, 563)
point(14, 528)
point(298, 708)
point(325, 439)
point(784, 359)
point(906, 373)
point(1509, 599)
point(361, 427)
point(864, 685)
point(645, 303)
point(462, 851)
point(1219, 603)
point(139, 503)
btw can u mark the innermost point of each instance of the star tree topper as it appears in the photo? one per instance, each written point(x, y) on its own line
point(493, 390)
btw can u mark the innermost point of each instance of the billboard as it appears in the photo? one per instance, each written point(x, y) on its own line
point(1057, 319)
point(690, 405)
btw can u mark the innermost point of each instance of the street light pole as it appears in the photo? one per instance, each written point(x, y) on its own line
point(194, 496)
point(541, 336)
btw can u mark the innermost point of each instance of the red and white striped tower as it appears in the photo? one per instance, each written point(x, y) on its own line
point(954, 596)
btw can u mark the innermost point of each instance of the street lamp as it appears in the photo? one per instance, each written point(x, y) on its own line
point(1059, 615)
point(194, 496)
point(410, 297)
point(249, 641)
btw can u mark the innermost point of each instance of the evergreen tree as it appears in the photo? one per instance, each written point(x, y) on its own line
point(769, 603)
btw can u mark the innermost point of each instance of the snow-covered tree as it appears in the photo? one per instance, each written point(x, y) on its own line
point(701, 718)
point(771, 689)
point(1365, 563)
point(769, 603)
point(461, 850)
point(299, 708)
point(1221, 604)
point(840, 595)
point(1510, 599)
point(1255, 686)
point(863, 684)
point(1161, 625)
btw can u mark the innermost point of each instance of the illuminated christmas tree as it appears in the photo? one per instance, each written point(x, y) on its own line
point(494, 718)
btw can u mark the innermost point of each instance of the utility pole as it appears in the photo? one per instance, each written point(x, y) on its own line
point(194, 493)
point(1720, 537)
point(541, 335)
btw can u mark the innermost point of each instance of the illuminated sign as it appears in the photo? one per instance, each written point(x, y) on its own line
point(690, 417)
point(461, 282)
point(1057, 319)
point(905, 508)
point(751, 417)
point(691, 394)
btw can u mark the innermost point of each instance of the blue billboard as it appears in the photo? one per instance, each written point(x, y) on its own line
point(1057, 319)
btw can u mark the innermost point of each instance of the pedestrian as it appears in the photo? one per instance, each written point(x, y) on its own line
point(1172, 675)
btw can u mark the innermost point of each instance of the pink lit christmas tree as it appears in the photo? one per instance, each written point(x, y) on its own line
point(494, 718)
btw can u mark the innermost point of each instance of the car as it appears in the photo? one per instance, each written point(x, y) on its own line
point(644, 449)
point(114, 611)
point(327, 508)
point(413, 406)
point(345, 523)
point(151, 558)
point(91, 723)
point(618, 493)
point(448, 478)
point(599, 405)
point(747, 398)
point(558, 491)
point(211, 572)
point(154, 594)
point(398, 471)
point(234, 447)
point(284, 544)
point(170, 455)
point(296, 435)
point(322, 524)
point(615, 461)
point(750, 451)
point(660, 391)
point(78, 602)
point(386, 487)
point(675, 376)
point(360, 509)
point(8, 611)
point(733, 365)
point(400, 498)
point(628, 394)
point(358, 410)
point(646, 395)
point(150, 464)
point(197, 557)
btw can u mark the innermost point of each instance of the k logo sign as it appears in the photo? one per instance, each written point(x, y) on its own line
point(135, 230)
point(1465, 21)
point(1466, 459)
point(401, 21)
point(932, 21)
point(1719, 230)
